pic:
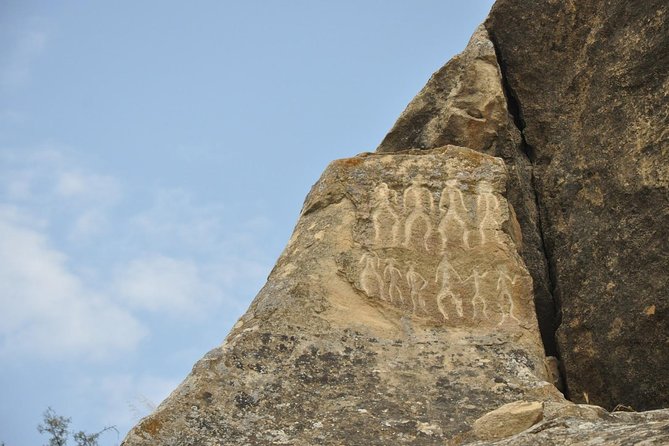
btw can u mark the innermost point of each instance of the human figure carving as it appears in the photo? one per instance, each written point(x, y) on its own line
point(417, 283)
point(477, 299)
point(487, 210)
point(504, 282)
point(393, 277)
point(448, 276)
point(452, 205)
point(419, 204)
point(384, 201)
point(370, 279)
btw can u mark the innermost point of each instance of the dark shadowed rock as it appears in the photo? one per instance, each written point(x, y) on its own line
point(592, 82)
point(399, 313)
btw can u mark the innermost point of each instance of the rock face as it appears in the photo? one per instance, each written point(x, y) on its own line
point(399, 313)
point(411, 302)
point(464, 103)
point(591, 81)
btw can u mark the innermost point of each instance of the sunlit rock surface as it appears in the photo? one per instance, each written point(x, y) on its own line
point(399, 313)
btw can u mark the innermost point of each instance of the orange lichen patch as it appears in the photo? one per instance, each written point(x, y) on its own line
point(650, 310)
point(349, 162)
point(151, 425)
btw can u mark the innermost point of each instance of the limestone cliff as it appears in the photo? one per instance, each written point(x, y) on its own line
point(523, 191)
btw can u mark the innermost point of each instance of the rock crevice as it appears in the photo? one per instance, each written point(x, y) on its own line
point(549, 327)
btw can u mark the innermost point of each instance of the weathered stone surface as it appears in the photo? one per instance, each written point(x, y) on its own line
point(571, 424)
point(464, 104)
point(508, 420)
point(399, 313)
point(591, 79)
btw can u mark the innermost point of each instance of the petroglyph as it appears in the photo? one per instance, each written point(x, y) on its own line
point(452, 224)
point(448, 276)
point(370, 279)
point(505, 299)
point(477, 298)
point(417, 283)
point(384, 216)
point(393, 277)
point(488, 212)
point(434, 248)
point(419, 204)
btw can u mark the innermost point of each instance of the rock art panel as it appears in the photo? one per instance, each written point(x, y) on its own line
point(465, 103)
point(375, 326)
point(439, 250)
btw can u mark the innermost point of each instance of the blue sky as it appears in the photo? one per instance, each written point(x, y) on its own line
point(153, 160)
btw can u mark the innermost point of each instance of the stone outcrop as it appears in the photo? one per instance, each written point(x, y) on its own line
point(591, 82)
point(399, 313)
point(416, 301)
point(464, 103)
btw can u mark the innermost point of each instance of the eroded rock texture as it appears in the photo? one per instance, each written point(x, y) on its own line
point(464, 103)
point(560, 424)
point(399, 313)
point(591, 79)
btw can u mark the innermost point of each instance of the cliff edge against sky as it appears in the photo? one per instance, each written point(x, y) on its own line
point(494, 274)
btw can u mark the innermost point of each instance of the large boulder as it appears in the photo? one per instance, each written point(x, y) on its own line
point(590, 80)
point(399, 313)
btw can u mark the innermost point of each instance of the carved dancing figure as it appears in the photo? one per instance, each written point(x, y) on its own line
point(419, 203)
point(417, 283)
point(505, 295)
point(393, 276)
point(384, 201)
point(370, 279)
point(488, 210)
point(448, 276)
point(452, 205)
point(477, 299)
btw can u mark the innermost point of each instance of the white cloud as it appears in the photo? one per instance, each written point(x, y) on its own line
point(49, 181)
point(175, 218)
point(47, 310)
point(160, 283)
point(87, 187)
point(16, 66)
point(173, 257)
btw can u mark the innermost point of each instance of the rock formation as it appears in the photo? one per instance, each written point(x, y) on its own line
point(591, 83)
point(523, 190)
point(399, 313)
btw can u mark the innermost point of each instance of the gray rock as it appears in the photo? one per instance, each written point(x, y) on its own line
point(591, 80)
point(571, 424)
